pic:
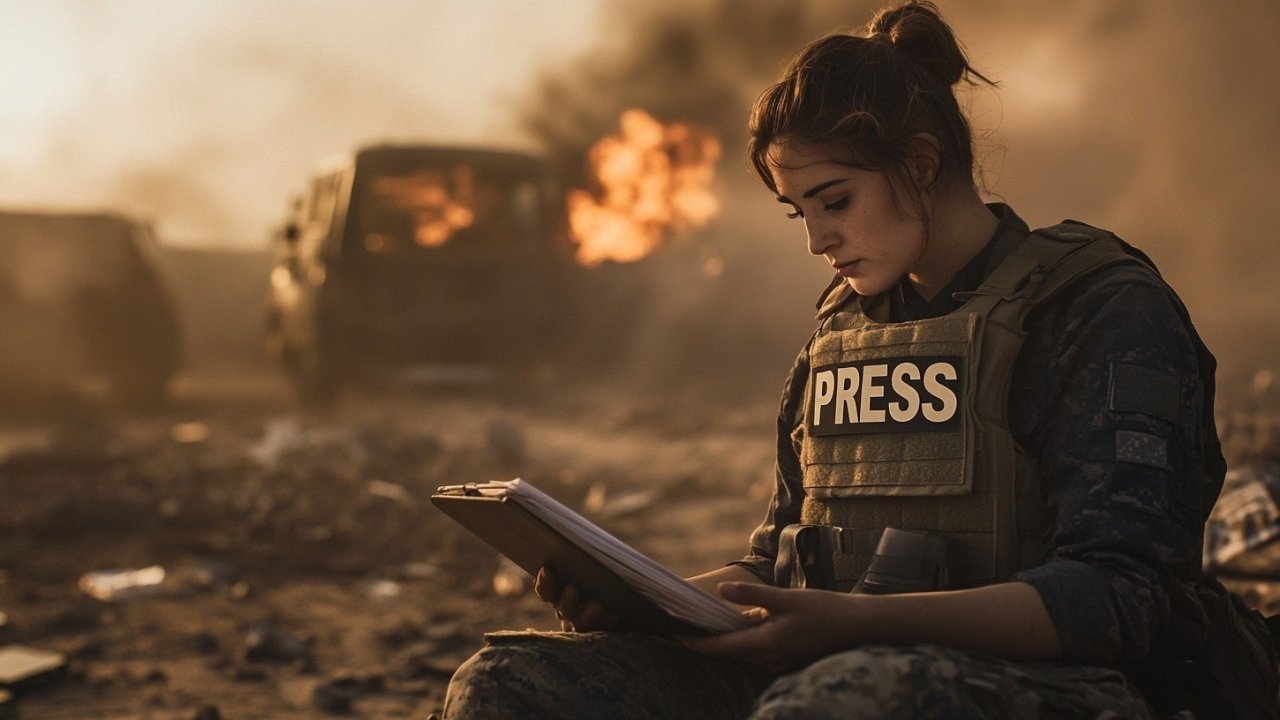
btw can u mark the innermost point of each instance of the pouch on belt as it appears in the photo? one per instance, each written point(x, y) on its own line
point(896, 561)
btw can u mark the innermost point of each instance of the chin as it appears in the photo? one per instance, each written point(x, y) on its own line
point(868, 286)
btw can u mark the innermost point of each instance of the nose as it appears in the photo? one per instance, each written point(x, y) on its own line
point(820, 238)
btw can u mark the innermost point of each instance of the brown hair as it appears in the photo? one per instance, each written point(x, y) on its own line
point(870, 96)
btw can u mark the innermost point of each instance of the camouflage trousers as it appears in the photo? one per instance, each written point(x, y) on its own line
point(611, 676)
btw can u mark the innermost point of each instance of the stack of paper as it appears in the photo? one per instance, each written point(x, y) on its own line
point(661, 587)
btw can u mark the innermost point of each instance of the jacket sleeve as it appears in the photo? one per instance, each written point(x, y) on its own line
point(788, 491)
point(1113, 412)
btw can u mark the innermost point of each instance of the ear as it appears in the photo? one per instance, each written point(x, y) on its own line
point(924, 158)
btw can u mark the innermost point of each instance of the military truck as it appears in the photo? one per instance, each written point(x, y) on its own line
point(409, 256)
point(83, 308)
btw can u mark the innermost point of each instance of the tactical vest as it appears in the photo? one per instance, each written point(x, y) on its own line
point(906, 424)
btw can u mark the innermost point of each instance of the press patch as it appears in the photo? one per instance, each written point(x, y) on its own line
point(1138, 389)
point(885, 395)
point(1142, 448)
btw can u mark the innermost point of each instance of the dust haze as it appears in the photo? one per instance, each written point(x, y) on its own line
point(305, 571)
point(1154, 119)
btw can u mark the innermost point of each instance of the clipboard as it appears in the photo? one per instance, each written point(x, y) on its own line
point(529, 541)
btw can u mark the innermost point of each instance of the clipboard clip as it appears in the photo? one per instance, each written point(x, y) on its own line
point(488, 489)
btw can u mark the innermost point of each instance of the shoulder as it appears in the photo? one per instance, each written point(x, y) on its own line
point(1127, 304)
point(1119, 309)
point(1099, 271)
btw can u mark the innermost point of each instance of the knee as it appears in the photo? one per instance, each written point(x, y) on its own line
point(869, 682)
point(492, 683)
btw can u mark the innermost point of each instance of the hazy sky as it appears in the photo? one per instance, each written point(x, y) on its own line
point(1155, 118)
point(161, 106)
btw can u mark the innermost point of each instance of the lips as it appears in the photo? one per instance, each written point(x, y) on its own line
point(847, 269)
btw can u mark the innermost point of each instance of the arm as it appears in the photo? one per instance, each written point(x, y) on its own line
point(797, 627)
point(1124, 522)
point(1122, 480)
point(710, 582)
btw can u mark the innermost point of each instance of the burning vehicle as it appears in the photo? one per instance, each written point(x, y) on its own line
point(403, 256)
point(83, 307)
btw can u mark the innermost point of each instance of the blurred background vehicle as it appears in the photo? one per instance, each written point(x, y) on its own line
point(83, 309)
point(404, 256)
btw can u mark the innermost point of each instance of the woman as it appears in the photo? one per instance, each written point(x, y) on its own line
point(1001, 441)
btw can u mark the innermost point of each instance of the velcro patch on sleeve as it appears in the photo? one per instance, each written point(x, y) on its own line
point(1138, 389)
point(1142, 448)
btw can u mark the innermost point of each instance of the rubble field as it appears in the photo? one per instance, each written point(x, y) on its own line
point(239, 557)
point(235, 556)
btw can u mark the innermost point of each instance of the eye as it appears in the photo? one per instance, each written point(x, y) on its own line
point(795, 214)
point(840, 204)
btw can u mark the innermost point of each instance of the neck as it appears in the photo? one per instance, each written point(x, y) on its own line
point(960, 225)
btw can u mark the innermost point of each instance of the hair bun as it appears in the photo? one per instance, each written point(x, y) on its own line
point(917, 30)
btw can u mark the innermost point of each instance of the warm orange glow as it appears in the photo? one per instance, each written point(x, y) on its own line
point(437, 213)
point(654, 179)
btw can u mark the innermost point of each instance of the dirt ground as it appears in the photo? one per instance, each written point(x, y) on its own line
point(305, 573)
point(286, 562)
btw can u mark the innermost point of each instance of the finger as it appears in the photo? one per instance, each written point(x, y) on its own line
point(740, 644)
point(546, 586)
point(765, 596)
point(567, 606)
point(591, 616)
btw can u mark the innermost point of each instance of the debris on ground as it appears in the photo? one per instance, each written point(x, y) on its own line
point(22, 667)
point(285, 563)
point(111, 585)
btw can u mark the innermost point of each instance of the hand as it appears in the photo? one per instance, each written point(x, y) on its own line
point(577, 613)
point(793, 627)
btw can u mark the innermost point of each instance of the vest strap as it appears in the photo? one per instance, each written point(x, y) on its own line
point(996, 523)
point(806, 553)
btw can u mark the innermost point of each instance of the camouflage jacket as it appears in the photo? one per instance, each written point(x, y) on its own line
point(1125, 524)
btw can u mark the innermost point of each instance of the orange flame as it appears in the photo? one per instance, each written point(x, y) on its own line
point(655, 179)
point(437, 213)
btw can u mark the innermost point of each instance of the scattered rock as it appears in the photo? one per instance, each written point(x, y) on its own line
point(88, 649)
point(205, 643)
point(76, 617)
point(331, 699)
point(391, 491)
point(383, 590)
point(248, 674)
point(338, 695)
point(265, 643)
point(23, 667)
point(402, 634)
point(110, 585)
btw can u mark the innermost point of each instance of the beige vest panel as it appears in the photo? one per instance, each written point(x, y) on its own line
point(906, 423)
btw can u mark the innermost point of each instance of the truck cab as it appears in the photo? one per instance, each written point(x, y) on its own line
point(401, 256)
point(84, 308)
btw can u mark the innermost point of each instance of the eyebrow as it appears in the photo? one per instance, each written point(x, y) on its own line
point(813, 190)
